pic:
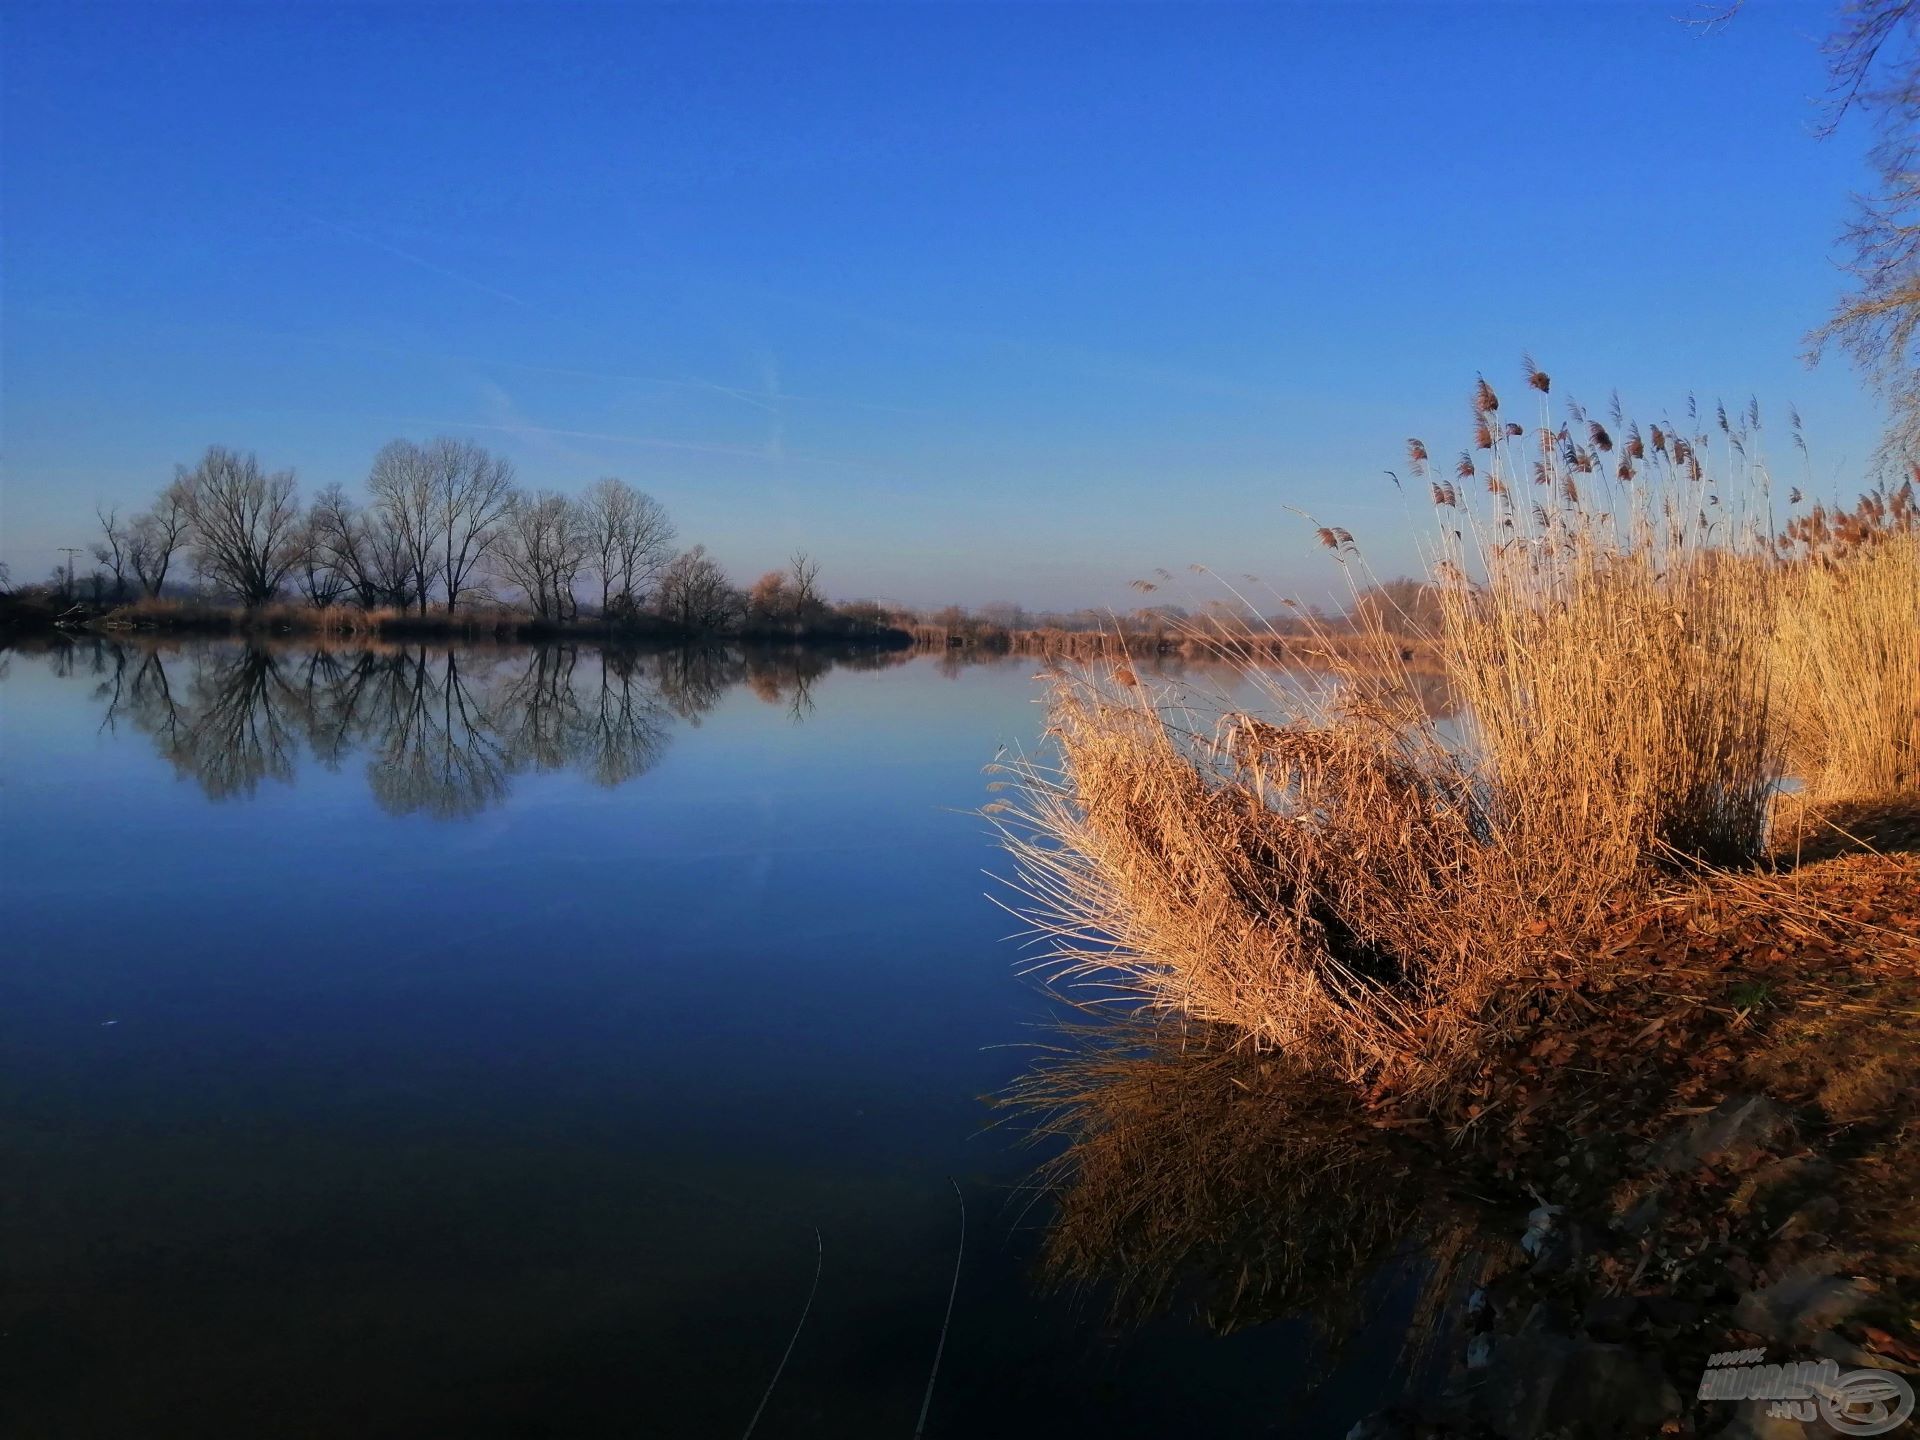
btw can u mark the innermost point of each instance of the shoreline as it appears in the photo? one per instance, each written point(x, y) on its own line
point(1701, 1146)
point(339, 623)
point(1414, 654)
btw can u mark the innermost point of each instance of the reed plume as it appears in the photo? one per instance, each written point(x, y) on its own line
point(1346, 882)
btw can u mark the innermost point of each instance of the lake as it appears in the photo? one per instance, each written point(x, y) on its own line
point(412, 1041)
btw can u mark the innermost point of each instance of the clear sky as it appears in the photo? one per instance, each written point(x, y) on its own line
point(974, 301)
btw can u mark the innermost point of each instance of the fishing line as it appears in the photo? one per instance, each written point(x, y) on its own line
point(819, 1259)
point(927, 1403)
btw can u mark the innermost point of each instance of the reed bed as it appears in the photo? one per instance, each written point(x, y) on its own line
point(1308, 646)
point(1262, 877)
point(329, 620)
point(1847, 649)
point(1348, 881)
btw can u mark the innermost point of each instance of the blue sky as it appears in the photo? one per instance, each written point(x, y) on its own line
point(975, 302)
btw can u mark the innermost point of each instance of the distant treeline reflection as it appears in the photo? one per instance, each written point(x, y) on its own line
point(441, 731)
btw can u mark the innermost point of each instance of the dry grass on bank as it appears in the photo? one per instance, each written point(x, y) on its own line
point(1311, 648)
point(1208, 1177)
point(351, 620)
point(1847, 662)
point(1278, 880)
point(1347, 881)
point(489, 621)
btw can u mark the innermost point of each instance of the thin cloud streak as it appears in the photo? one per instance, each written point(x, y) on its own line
point(760, 400)
point(744, 452)
point(425, 264)
point(1091, 363)
point(776, 446)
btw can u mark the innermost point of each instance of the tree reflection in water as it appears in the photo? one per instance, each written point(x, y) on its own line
point(442, 730)
point(436, 753)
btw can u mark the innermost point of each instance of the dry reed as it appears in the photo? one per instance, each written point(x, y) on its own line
point(1351, 882)
point(1188, 640)
point(1847, 654)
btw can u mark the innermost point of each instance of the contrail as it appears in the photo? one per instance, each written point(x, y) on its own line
point(425, 264)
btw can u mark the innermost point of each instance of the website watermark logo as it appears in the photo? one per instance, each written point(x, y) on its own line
point(1860, 1402)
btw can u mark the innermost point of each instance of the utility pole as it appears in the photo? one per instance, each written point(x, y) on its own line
point(70, 551)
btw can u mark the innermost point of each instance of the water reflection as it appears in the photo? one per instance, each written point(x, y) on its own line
point(1196, 1177)
point(434, 741)
point(440, 731)
point(443, 731)
point(484, 1115)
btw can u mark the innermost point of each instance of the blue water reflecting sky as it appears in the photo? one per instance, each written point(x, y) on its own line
point(357, 1085)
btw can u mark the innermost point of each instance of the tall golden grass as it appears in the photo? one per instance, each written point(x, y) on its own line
point(1278, 879)
point(351, 620)
point(1185, 640)
point(1366, 888)
point(1616, 693)
point(1847, 650)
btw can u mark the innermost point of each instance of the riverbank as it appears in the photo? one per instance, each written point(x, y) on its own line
point(1320, 649)
point(171, 616)
point(1700, 1142)
point(1717, 1131)
point(1547, 957)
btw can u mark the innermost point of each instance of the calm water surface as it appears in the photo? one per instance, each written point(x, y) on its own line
point(429, 1043)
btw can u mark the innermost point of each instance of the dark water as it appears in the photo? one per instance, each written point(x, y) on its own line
point(428, 1043)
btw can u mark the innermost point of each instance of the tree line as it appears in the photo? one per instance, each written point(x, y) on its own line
point(442, 526)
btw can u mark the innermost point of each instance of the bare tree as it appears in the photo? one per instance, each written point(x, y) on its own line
point(366, 547)
point(322, 581)
point(630, 540)
point(156, 537)
point(472, 493)
point(542, 551)
point(112, 549)
point(605, 511)
point(803, 571)
point(245, 524)
point(336, 530)
point(694, 593)
point(402, 484)
point(1874, 67)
